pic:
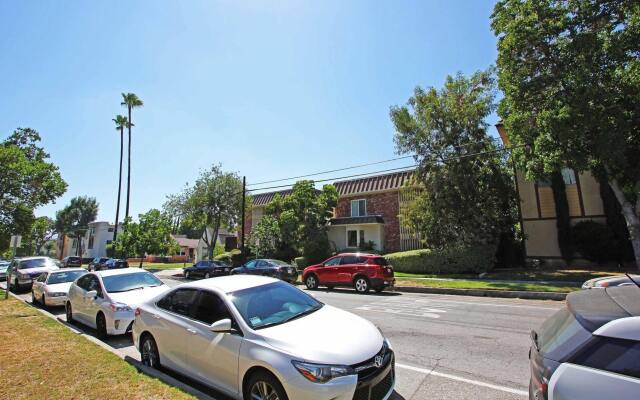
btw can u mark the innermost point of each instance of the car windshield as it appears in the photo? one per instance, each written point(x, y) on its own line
point(272, 304)
point(278, 262)
point(127, 282)
point(64, 277)
point(37, 263)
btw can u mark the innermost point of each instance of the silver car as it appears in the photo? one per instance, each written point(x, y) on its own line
point(254, 337)
point(23, 271)
point(3, 269)
point(610, 281)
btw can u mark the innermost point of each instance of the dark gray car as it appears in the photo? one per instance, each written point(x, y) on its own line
point(610, 281)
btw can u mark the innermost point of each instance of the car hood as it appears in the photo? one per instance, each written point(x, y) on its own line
point(59, 287)
point(327, 336)
point(135, 297)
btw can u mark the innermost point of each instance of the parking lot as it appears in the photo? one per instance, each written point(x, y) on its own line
point(447, 347)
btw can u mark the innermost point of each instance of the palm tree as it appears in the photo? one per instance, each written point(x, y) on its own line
point(130, 100)
point(121, 121)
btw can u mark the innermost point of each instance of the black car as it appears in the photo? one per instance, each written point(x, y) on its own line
point(207, 269)
point(97, 263)
point(114, 263)
point(72, 262)
point(586, 333)
point(274, 268)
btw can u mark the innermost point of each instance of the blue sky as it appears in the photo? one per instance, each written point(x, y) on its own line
point(269, 89)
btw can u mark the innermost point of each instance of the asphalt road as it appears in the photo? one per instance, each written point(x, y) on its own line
point(447, 347)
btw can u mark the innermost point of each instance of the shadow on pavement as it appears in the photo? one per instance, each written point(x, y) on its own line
point(352, 291)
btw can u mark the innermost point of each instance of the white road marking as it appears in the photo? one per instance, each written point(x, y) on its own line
point(404, 307)
point(465, 380)
point(480, 303)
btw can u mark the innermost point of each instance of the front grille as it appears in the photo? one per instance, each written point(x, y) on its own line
point(366, 369)
point(382, 388)
point(372, 385)
point(362, 393)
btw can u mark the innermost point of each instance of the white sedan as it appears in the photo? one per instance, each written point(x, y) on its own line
point(254, 337)
point(105, 300)
point(51, 288)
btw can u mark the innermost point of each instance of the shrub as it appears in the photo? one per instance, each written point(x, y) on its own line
point(596, 242)
point(317, 249)
point(233, 257)
point(452, 260)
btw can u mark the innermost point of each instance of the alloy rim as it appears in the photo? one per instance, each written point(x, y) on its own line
point(262, 390)
point(148, 354)
point(311, 282)
point(361, 285)
point(207, 276)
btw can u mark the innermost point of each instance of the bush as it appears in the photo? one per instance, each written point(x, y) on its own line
point(233, 257)
point(301, 262)
point(452, 260)
point(317, 249)
point(596, 242)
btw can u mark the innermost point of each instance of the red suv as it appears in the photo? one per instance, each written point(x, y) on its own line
point(360, 271)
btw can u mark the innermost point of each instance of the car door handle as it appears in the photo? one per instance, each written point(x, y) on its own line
point(156, 316)
point(192, 331)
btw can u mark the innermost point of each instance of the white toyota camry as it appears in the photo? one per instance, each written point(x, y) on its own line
point(105, 300)
point(254, 337)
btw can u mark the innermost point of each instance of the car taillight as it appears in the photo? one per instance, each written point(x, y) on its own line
point(137, 312)
point(604, 284)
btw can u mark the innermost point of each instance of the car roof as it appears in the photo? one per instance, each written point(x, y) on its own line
point(231, 283)
point(120, 271)
point(594, 308)
point(32, 258)
point(358, 254)
point(68, 270)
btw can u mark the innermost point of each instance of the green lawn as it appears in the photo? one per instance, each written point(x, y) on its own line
point(161, 266)
point(562, 275)
point(49, 361)
point(475, 284)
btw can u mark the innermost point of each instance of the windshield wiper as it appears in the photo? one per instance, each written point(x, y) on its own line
point(632, 280)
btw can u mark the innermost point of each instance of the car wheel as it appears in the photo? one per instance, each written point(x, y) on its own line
point(207, 275)
point(149, 352)
point(101, 326)
point(361, 284)
point(43, 301)
point(311, 282)
point(69, 312)
point(187, 275)
point(264, 386)
point(33, 298)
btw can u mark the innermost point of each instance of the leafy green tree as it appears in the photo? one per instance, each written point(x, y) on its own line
point(128, 241)
point(121, 121)
point(42, 231)
point(570, 73)
point(301, 218)
point(73, 220)
point(467, 196)
point(131, 101)
point(265, 237)
point(28, 180)
point(155, 235)
point(215, 201)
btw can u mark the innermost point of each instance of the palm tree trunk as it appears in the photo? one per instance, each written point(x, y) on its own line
point(115, 231)
point(128, 165)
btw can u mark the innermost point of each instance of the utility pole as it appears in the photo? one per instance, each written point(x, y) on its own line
point(244, 193)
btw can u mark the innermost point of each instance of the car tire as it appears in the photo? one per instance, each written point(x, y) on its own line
point(101, 326)
point(43, 301)
point(187, 275)
point(149, 354)
point(207, 275)
point(69, 312)
point(361, 285)
point(33, 298)
point(311, 281)
point(263, 385)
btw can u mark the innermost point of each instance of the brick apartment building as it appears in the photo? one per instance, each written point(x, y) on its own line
point(368, 209)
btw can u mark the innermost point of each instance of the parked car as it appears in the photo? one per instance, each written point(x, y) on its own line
point(267, 267)
point(51, 288)
point(281, 342)
point(360, 271)
point(97, 263)
point(207, 269)
point(610, 281)
point(105, 300)
point(3, 269)
point(23, 271)
point(590, 349)
point(72, 262)
point(114, 263)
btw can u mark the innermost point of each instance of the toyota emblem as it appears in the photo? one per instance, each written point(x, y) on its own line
point(377, 362)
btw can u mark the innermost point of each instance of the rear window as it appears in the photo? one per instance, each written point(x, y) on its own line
point(380, 261)
point(614, 355)
point(561, 335)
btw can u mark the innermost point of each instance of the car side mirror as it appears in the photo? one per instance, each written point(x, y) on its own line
point(92, 294)
point(222, 326)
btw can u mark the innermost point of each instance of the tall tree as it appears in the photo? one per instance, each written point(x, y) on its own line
point(27, 180)
point(468, 196)
point(131, 101)
point(151, 235)
point(42, 231)
point(73, 220)
point(121, 121)
point(214, 201)
point(570, 73)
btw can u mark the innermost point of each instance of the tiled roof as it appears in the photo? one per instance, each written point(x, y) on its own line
point(262, 199)
point(376, 183)
point(185, 242)
point(366, 219)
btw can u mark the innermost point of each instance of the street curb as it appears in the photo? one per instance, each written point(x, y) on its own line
point(509, 294)
point(154, 373)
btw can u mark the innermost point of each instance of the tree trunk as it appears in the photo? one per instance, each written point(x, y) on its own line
point(79, 249)
point(126, 215)
point(115, 230)
point(631, 217)
point(214, 239)
point(141, 259)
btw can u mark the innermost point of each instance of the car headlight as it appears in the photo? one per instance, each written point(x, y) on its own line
point(115, 307)
point(322, 373)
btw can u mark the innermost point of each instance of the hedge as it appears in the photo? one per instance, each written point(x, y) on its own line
point(452, 260)
point(233, 257)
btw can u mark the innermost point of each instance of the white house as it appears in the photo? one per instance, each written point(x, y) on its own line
point(94, 242)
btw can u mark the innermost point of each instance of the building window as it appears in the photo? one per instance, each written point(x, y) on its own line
point(90, 245)
point(358, 208)
point(569, 176)
point(110, 230)
point(355, 238)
